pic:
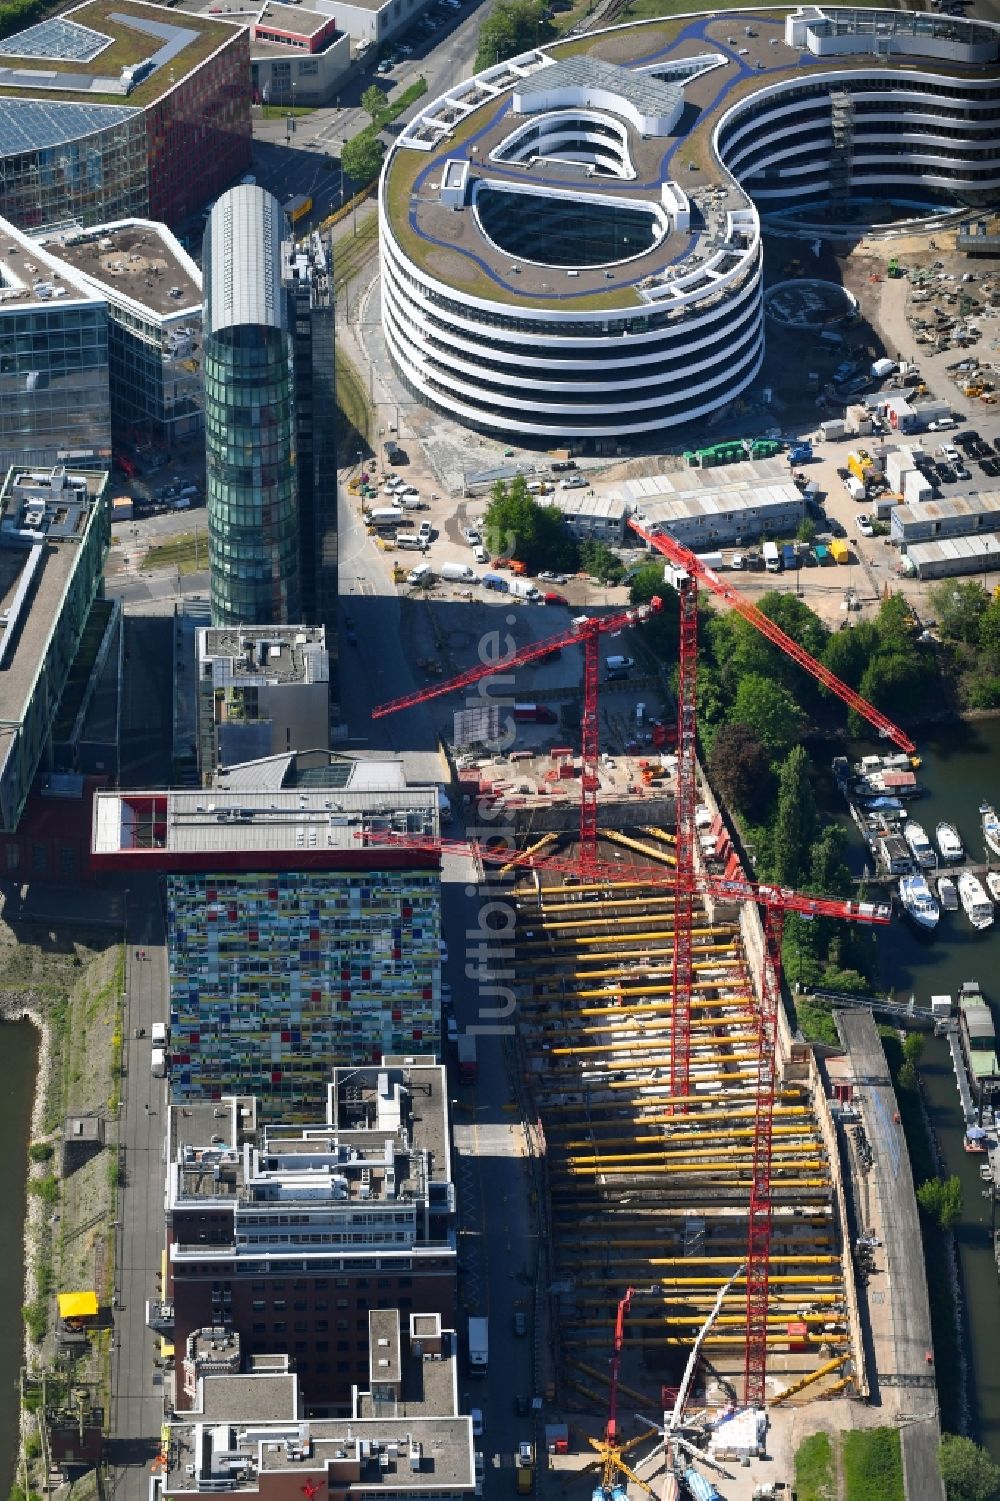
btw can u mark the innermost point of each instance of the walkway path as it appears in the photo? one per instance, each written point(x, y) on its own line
point(897, 1304)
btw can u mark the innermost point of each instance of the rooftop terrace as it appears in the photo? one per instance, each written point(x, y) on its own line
point(138, 259)
point(102, 51)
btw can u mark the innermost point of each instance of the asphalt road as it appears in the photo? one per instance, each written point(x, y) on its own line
point(303, 155)
point(137, 1402)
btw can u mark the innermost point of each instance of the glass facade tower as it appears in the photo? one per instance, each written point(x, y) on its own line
point(252, 484)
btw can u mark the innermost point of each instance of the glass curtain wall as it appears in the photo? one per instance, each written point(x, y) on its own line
point(251, 476)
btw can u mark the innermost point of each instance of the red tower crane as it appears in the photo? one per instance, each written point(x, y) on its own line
point(584, 632)
point(759, 1215)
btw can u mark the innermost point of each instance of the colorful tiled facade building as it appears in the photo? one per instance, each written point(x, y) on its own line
point(276, 976)
point(294, 944)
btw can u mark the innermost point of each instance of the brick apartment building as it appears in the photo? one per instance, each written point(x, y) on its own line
point(247, 1432)
point(291, 1235)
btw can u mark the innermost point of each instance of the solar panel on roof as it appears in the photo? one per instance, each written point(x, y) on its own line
point(56, 40)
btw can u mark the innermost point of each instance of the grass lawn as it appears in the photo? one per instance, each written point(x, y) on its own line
point(187, 552)
point(873, 1465)
point(281, 111)
point(815, 1477)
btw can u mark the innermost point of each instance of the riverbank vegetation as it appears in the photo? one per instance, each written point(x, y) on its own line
point(968, 1472)
point(74, 992)
point(968, 621)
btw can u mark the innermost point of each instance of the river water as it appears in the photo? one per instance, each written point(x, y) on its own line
point(17, 1087)
point(961, 766)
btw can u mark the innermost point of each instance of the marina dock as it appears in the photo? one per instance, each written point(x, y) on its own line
point(961, 1073)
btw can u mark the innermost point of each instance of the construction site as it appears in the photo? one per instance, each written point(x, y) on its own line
point(689, 1158)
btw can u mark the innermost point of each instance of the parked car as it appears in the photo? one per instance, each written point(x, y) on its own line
point(522, 1406)
point(864, 525)
point(480, 554)
point(520, 1323)
point(476, 1414)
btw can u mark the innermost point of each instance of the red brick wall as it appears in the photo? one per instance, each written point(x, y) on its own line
point(199, 134)
point(323, 1326)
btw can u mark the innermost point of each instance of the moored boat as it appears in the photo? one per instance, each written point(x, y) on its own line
point(918, 902)
point(991, 827)
point(976, 904)
point(920, 846)
point(947, 894)
point(993, 884)
point(949, 843)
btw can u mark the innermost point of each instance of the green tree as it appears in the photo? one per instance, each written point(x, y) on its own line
point(362, 156)
point(373, 101)
point(518, 527)
point(849, 650)
point(597, 559)
point(511, 27)
point(806, 531)
point(989, 631)
point(661, 632)
point(769, 710)
point(828, 872)
point(740, 768)
point(894, 625)
point(895, 682)
point(794, 821)
point(941, 1200)
point(969, 1473)
point(960, 608)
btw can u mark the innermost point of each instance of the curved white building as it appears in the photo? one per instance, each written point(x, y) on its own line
point(570, 241)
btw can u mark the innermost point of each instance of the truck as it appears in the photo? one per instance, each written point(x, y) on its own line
point(457, 573)
point(856, 488)
point(158, 1063)
point(479, 1346)
point(881, 368)
point(468, 1064)
point(524, 1468)
point(860, 465)
point(297, 207)
point(386, 516)
point(159, 1034)
point(535, 714)
point(789, 558)
point(496, 581)
point(800, 453)
point(523, 589)
point(772, 558)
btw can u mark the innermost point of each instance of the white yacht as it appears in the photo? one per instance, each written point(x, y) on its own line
point(991, 827)
point(918, 902)
point(947, 894)
point(977, 905)
point(993, 884)
point(949, 843)
point(920, 846)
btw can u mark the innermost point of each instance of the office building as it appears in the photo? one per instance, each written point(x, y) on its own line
point(296, 940)
point(254, 1432)
point(54, 536)
point(307, 274)
point(54, 398)
point(54, 540)
point(291, 1235)
point(298, 56)
point(571, 246)
point(252, 477)
point(118, 109)
point(261, 691)
point(152, 291)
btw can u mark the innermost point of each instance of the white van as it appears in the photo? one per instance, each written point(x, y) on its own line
point(420, 574)
point(619, 667)
point(159, 1034)
point(772, 557)
point(457, 573)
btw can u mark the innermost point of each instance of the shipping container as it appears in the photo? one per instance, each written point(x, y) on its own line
point(839, 551)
